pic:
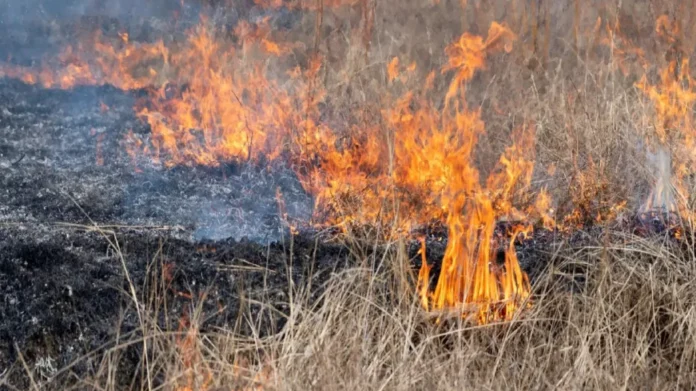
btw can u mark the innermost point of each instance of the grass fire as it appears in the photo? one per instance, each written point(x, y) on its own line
point(347, 194)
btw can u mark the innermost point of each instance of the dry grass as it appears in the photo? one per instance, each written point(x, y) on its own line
point(567, 74)
point(632, 326)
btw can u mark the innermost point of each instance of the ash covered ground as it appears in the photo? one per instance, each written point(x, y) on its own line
point(63, 160)
point(62, 285)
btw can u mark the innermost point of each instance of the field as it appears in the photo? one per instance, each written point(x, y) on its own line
point(347, 194)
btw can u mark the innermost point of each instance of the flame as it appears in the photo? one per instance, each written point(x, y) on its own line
point(674, 138)
point(404, 161)
point(626, 56)
point(546, 213)
point(187, 339)
point(433, 150)
point(99, 150)
point(423, 284)
point(592, 201)
point(212, 100)
point(470, 280)
point(217, 117)
point(98, 60)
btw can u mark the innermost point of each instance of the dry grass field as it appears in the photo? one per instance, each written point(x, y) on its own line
point(570, 120)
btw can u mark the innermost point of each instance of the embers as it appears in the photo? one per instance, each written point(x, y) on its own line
point(658, 222)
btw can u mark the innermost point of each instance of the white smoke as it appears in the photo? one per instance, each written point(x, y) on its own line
point(662, 194)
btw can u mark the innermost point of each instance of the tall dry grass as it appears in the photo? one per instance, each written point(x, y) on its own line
point(631, 325)
point(571, 73)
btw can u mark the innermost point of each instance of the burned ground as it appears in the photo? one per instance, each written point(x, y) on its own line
point(65, 293)
point(205, 230)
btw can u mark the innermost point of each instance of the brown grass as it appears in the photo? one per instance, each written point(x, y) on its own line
point(632, 326)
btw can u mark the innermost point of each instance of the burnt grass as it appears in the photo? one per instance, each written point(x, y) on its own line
point(187, 236)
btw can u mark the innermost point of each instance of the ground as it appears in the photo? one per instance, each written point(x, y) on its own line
point(213, 231)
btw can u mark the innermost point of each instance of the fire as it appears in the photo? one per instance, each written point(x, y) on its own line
point(434, 152)
point(213, 100)
point(191, 358)
point(95, 61)
point(626, 55)
point(432, 178)
point(470, 280)
point(674, 137)
point(99, 141)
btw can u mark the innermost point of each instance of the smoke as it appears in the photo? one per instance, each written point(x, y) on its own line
point(18, 14)
point(21, 12)
point(213, 206)
point(662, 194)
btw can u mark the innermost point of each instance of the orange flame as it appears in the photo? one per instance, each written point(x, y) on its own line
point(673, 98)
point(212, 100)
point(198, 376)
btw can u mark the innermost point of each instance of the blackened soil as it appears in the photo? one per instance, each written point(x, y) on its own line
point(185, 237)
point(65, 292)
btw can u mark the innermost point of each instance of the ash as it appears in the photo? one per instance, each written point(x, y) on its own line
point(63, 169)
point(62, 160)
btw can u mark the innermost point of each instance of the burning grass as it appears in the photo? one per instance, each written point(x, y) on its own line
point(511, 120)
point(213, 105)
